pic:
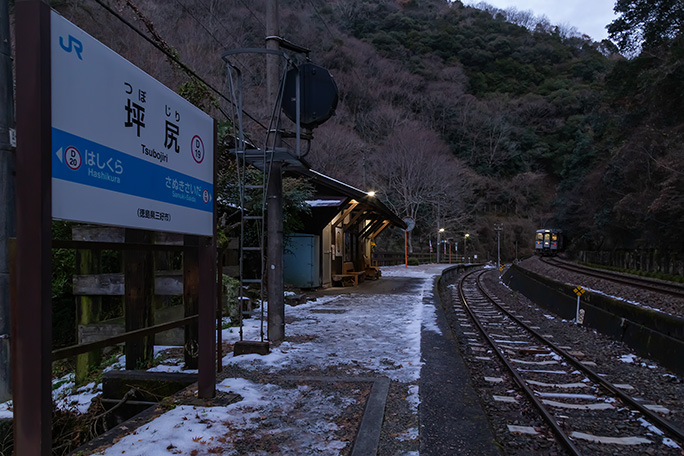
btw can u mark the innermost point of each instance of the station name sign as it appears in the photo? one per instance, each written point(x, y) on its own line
point(126, 150)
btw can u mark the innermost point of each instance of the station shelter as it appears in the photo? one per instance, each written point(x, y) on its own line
point(335, 247)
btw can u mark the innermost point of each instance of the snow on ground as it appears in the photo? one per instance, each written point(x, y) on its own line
point(377, 332)
point(358, 332)
point(348, 330)
point(185, 429)
point(65, 395)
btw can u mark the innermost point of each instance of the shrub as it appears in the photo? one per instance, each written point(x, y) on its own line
point(231, 288)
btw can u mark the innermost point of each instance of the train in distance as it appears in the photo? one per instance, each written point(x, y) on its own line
point(548, 242)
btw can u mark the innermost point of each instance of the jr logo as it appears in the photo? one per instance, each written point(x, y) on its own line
point(74, 44)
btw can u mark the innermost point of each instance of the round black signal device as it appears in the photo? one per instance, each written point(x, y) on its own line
point(318, 95)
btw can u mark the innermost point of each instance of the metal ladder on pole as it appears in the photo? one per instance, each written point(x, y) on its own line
point(252, 189)
point(253, 195)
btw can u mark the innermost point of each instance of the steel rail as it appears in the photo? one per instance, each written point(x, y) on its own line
point(665, 425)
point(639, 282)
point(551, 421)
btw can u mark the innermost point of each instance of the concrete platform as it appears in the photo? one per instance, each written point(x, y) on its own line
point(452, 421)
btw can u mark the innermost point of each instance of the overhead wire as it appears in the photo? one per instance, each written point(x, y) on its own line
point(208, 8)
point(334, 38)
point(199, 22)
point(220, 23)
point(175, 59)
point(244, 67)
point(253, 14)
point(191, 72)
point(321, 19)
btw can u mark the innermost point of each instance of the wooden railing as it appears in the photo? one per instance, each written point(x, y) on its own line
point(394, 258)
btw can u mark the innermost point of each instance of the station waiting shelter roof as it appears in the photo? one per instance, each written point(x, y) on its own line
point(335, 190)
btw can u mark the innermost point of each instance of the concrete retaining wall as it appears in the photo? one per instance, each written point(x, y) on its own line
point(449, 274)
point(649, 333)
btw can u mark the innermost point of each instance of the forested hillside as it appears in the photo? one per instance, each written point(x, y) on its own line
point(456, 116)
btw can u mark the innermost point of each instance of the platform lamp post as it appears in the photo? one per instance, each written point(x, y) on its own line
point(465, 237)
point(439, 242)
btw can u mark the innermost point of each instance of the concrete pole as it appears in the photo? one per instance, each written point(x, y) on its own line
point(274, 216)
point(274, 257)
point(7, 221)
point(498, 229)
point(498, 248)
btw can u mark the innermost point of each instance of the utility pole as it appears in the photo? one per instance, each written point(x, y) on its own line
point(498, 228)
point(7, 222)
point(274, 216)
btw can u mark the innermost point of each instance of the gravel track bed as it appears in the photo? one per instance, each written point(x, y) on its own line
point(654, 384)
point(649, 299)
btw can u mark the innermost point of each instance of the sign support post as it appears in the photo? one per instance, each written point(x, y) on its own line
point(208, 326)
point(31, 341)
point(72, 163)
point(206, 382)
point(579, 314)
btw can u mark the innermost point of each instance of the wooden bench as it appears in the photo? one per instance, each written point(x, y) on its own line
point(349, 277)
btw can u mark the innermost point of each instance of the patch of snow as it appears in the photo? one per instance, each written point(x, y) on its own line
point(266, 411)
point(387, 342)
point(413, 398)
point(650, 427)
point(670, 443)
point(411, 434)
point(430, 319)
point(630, 358)
point(6, 410)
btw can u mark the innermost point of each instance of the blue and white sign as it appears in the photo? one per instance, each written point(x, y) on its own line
point(126, 150)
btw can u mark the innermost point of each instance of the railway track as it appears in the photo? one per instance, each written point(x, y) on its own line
point(585, 413)
point(644, 283)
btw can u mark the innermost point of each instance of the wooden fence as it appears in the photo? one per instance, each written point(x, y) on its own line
point(650, 260)
point(145, 283)
point(395, 258)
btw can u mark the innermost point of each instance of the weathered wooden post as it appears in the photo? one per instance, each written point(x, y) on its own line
point(89, 309)
point(191, 280)
point(139, 286)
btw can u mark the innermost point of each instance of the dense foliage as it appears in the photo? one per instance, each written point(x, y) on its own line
point(510, 119)
point(647, 23)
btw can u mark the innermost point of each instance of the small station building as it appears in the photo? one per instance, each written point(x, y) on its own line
point(335, 248)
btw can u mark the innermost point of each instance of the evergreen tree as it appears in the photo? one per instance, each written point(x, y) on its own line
point(646, 23)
